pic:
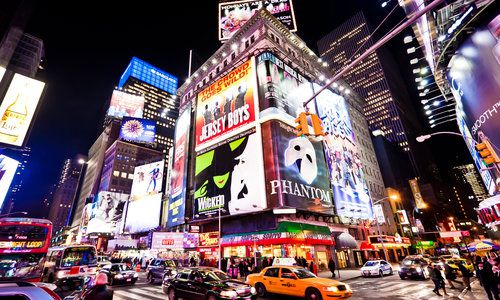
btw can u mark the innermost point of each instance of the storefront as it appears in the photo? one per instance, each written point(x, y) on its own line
point(344, 248)
point(365, 253)
point(178, 246)
point(289, 239)
point(396, 247)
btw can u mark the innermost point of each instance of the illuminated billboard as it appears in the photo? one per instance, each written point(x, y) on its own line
point(226, 105)
point(282, 90)
point(107, 212)
point(296, 173)
point(233, 15)
point(125, 105)
point(144, 206)
point(2, 72)
point(473, 73)
point(177, 200)
point(18, 109)
point(230, 177)
point(138, 130)
point(149, 74)
point(8, 167)
point(350, 191)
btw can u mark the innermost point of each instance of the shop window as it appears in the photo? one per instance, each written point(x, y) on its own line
point(272, 272)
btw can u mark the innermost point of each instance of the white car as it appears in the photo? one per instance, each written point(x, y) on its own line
point(376, 268)
point(27, 291)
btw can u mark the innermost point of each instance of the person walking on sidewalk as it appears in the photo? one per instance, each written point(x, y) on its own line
point(488, 280)
point(450, 274)
point(437, 279)
point(331, 267)
point(466, 275)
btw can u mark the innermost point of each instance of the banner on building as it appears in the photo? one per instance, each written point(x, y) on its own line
point(230, 177)
point(209, 239)
point(226, 105)
point(148, 180)
point(417, 195)
point(125, 105)
point(379, 213)
point(107, 212)
point(138, 130)
point(295, 170)
point(402, 217)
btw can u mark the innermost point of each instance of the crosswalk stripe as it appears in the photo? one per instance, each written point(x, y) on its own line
point(136, 291)
point(118, 295)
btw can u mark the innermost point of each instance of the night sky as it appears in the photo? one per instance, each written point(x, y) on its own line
point(88, 45)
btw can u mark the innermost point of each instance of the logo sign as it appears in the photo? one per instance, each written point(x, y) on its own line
point(402, 217)
point(18, 109)
point(284, 261)
point(138, 130)
point(415, 189)
point(125, 105)
point(209, 239)
point(233, 15)
point(167, 240)
point(226, 105)
point(194, 228)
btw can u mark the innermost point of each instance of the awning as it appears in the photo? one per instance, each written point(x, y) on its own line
point(286, 233)
point(345, 241)
point(366, 246)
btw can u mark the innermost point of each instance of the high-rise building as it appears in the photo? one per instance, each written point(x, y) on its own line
point(65, 192)
point(22, 156)
point(468, 190)
point(159, 89)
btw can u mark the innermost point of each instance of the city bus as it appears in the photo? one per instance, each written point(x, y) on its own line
point(23, 246)
point(69, 263)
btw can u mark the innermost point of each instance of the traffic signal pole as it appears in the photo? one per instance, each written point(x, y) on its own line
point(375, 46)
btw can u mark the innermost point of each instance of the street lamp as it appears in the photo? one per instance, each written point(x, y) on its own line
point(14, 213)
point(424, 137)
point(392, 197)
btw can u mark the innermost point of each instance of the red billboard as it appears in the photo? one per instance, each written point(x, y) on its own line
point(226, 105)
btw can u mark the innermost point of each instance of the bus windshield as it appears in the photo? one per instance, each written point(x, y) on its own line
point(79, 256)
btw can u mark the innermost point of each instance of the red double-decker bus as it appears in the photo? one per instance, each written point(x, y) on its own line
point(23, 246)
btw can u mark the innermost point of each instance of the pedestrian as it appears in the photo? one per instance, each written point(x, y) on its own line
point(466, 275)
point(313, 268)
point(488, 280)
point(233, 270)
point(437, 279)
point(192, 262)
point(331, 267)
point(450, 274)
point(223, 264)
point(242, 268)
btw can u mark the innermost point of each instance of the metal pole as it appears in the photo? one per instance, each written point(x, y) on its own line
point(190, 59)
point(375, 46)
point(254, 251)
point(381, 241)
point(220, 237)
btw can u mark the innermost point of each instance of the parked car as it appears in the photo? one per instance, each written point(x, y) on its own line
point(297, 282)
point(414, 266)
point(376, 268)
point(119, 273)
point(27, 291)
point(206, 283)
point(158, 269)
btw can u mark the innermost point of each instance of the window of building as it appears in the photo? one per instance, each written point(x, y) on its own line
point(252, 39)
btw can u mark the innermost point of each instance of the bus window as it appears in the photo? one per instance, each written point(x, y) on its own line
point(79, 256)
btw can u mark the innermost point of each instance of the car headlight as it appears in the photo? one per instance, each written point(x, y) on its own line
point(173, 272)
point(229, 294)
point(330, 289)
point(419, 270)
point(118, 276)
point(136, 275)
point(347, 286)
point(253, 290)
point(60, 274)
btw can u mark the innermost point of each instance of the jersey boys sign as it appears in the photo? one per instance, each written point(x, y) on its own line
point(226, 105)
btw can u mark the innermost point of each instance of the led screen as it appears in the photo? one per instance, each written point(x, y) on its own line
point(149, 74)
point(138, 130)
point(106, 212)
point(8, 167)
point(143, 214)
point(148, 180)
point(125, 105)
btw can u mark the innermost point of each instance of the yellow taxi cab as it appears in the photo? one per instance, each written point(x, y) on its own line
point(455, 261)
point(297, 281)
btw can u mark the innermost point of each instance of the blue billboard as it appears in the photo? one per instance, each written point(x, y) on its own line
point(138, 130)
point(151, 75)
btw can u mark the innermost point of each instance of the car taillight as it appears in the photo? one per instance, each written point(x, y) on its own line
point(51, 293)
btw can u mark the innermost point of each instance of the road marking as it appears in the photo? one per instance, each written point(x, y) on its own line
point(136, 291)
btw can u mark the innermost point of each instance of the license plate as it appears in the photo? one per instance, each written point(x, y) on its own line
point(129, 279)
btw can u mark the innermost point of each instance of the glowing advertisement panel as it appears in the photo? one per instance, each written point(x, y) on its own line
point(282, 90)
point(2, 72)
point(226, 105)
point(167, 240)
point(474, 75)
point(296, 172)
point(138, 130)
point(230, 176)
point(106, 212)
point(18, 109)
point(8, 168)
point(233, 15)
point(148, 180)
point(143, 214)
point(350, 191)
point(125, 105)
point(177, 201)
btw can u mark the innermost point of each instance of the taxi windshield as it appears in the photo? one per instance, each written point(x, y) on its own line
point(303, 273)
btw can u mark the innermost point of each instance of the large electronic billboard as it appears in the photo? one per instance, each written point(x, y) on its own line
point(233, 15)
point(8, 167)
point(177, 199)
point(230, 177)
point(146, 72)
point(296, 173)
point(474, 75)
point(226, 106)
point(138, 130)
point(350, 191)
point(107, 212)
point(282, 90)
point(144, 206)
point(125, 105)
point(18, 109)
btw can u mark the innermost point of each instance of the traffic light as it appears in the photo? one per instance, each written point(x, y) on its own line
point(487, 153)
point(302, 127)
point(317, 125)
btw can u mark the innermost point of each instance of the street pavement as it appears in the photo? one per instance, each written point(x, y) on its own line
point(387, 287)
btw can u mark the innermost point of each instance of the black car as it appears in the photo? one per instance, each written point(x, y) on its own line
point(161, 268)
point(119, 273)
point(414, 267)
point(206, 283)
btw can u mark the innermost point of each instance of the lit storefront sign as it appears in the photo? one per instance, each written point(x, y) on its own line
point(208, 239)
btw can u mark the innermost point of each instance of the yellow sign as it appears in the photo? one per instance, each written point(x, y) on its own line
point(419, 201)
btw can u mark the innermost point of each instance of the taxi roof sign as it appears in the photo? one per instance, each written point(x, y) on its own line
point(284, 261)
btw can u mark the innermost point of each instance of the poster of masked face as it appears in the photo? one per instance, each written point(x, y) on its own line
point(295, 170)
point(230, 176)
point(106, 212)
point(348, 184)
